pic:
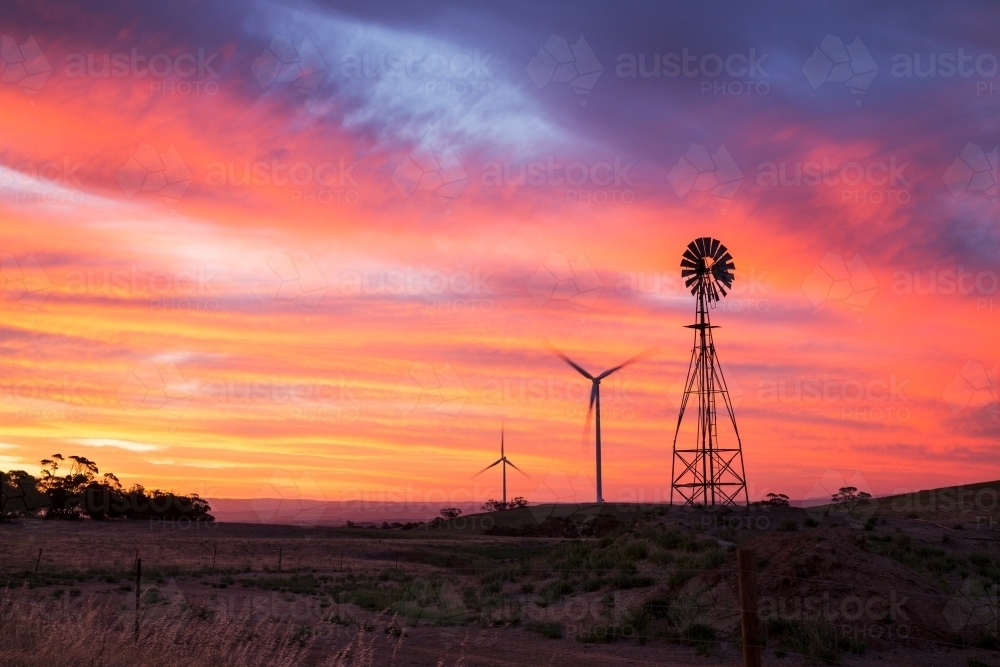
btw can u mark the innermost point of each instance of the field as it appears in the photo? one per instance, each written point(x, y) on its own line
point(904, 581)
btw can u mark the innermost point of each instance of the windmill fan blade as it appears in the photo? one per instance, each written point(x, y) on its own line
point(688, 272)
point(690, 281)
point(714, 252)
point(688, 263)
point(498, 461)
point(725, 259)
point(518, 469)
point(693, 248)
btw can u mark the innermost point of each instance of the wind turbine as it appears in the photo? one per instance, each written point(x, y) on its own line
point(595, 397)
point(506, 462)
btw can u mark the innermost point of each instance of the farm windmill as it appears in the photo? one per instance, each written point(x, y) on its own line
point(707, 472)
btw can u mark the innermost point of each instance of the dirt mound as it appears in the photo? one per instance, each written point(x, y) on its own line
point(830, 577)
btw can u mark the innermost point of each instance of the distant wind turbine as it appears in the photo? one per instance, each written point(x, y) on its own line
point(506, 462)
point(595, 397)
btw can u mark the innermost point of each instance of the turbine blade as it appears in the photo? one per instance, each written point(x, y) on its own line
point(590, 413)
point(639, 357)
point(572, 363)
point(518, 469)
point(488, 467)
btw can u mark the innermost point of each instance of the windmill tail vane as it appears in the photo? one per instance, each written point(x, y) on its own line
point(707, 471)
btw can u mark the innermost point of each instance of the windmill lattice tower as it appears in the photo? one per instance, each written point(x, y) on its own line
point(708, 472)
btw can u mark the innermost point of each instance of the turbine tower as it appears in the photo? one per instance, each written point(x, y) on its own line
point(707, 472)
point(595, 397)
point(506, 462)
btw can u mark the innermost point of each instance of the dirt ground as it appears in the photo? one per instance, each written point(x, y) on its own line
point(887, 586)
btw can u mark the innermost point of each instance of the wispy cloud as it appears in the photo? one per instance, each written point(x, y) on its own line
point(128, 445)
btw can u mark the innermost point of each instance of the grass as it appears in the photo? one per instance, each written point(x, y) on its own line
point(915, 555)
point(813, 641)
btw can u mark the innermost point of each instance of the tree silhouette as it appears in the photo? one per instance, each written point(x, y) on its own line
point(81, 493)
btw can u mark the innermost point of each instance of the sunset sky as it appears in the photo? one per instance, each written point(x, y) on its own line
point(318, 249)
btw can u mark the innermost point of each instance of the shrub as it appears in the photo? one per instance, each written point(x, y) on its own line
point(635, 550)
point(701, 636)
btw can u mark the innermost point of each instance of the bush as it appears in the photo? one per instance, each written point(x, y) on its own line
point(813, 641)
point(701, 636)
point(788, 526)
point(635, 550)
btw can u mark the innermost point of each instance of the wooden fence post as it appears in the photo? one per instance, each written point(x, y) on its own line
point(38, 560)
point(746, 564)
point(138, 587)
